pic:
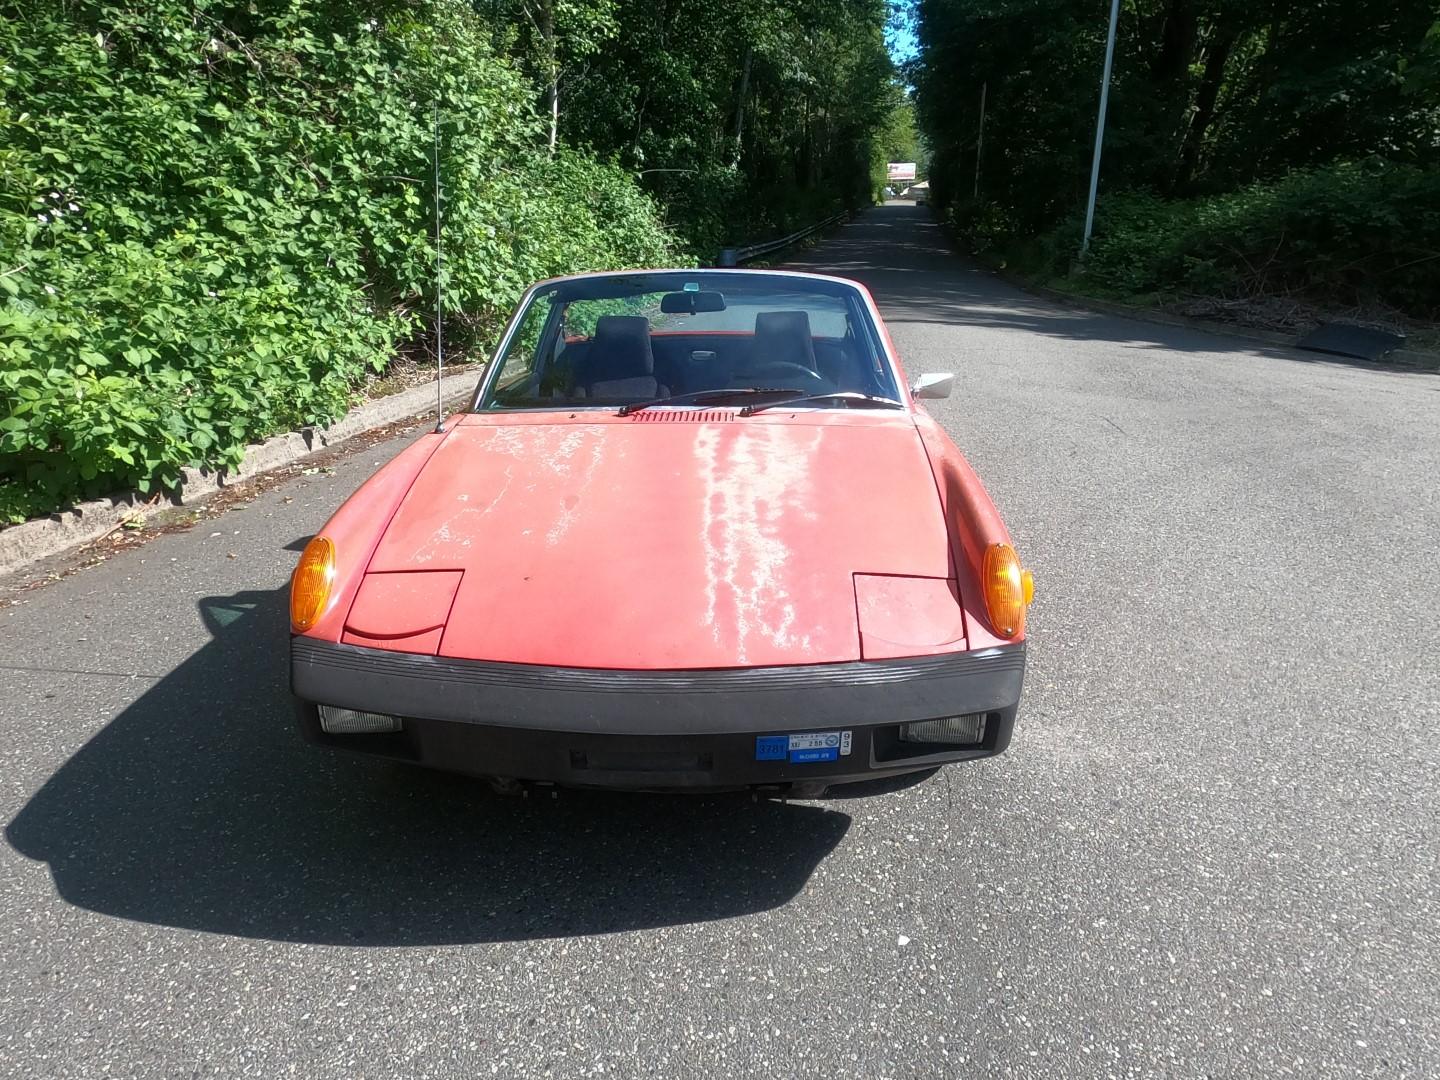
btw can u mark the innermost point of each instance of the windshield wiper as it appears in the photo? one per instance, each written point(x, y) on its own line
point(851, 397)
point(706, 397)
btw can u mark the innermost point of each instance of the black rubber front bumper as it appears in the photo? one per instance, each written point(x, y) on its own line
point(657, 730)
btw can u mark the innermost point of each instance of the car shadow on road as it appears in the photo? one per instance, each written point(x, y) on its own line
point(199, 807)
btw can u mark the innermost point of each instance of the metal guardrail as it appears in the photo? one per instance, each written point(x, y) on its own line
point(736, 256)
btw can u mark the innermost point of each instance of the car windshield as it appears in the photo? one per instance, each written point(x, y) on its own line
point(620, 340)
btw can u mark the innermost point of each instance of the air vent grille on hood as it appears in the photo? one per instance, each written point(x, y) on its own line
point(696, 416)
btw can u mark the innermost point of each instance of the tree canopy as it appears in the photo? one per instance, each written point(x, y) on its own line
point(741, 118)
point(1209, 97)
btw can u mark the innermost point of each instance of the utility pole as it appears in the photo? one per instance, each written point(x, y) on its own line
point(1100, 127)
point(980, 139)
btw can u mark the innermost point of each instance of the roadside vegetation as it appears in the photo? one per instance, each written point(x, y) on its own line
point(216, 218)
point(1264, 152)
point(745, 119)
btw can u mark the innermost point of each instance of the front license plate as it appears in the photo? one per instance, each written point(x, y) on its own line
point(803, 749)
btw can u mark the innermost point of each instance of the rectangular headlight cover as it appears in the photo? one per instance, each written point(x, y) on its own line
point(337, 721)
point(953, 730)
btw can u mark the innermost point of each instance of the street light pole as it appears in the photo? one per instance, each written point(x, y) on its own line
point(1100, 127)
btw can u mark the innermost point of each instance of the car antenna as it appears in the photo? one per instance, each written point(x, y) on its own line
point(439, 293)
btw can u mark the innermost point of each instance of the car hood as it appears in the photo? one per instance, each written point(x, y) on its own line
point(686, 540)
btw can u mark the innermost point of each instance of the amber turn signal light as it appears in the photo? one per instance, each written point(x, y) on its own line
point(1008, 590)
point(310, 584)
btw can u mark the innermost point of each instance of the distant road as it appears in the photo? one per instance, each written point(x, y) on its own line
point(1211, 851)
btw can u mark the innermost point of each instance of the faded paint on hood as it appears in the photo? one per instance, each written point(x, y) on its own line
point(668, 543)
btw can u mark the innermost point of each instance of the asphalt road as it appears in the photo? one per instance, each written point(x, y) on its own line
point(1211, 851)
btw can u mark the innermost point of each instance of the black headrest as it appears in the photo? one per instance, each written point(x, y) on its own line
point(784, 336)
point(620, 349)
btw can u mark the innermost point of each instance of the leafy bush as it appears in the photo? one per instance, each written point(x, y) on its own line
point(1360, 234)
point(215, 220)
point(717, 207)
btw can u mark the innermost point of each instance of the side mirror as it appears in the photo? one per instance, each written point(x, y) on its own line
point(936, 384)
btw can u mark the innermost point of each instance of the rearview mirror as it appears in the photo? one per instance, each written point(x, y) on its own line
point(688, 303)
point(935, 384)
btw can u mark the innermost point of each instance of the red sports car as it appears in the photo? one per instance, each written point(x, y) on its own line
point(693, 532)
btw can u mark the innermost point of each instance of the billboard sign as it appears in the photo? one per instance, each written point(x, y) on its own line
point(900, 170)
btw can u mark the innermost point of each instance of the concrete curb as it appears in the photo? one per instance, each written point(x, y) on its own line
point(41, 538)
point(1413, 358)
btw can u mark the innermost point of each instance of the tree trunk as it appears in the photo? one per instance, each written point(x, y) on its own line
point(552, 100)
point(1170, 76)
point(635, 148)
point(552, 63)
point(739, 129)
point(1177, 42)
point(807, 148)
point(1216, 57)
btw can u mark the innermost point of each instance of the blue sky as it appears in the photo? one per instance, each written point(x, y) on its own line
point(901, 43)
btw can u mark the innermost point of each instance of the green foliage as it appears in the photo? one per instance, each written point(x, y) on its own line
point(898, 139)
point(1348, 235)
point(216, 219)
point(745, 119)
point(547, 36)
point(1208, 97)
